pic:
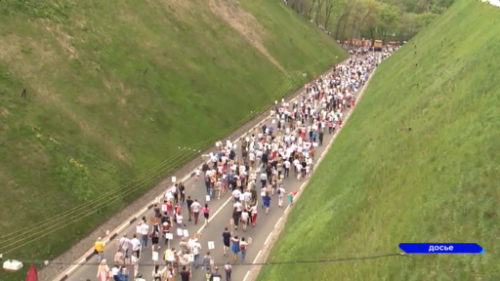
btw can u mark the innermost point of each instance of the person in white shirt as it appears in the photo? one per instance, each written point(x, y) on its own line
point(286, 168)
point(115, 271)
point(247, 196)
point(298, 167)
point(238, 207)
point(236, 194)
point(263, 179)
point(195, 209)
point(196, 247)
point(179, 220)
point(123, 244)
point(136, 246)
point(245, 218)
point(253, 212)
point(228, 268)
point(144, 232)
point(281, 193)
point(251, 158)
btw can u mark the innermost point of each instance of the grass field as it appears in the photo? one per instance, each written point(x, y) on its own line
point(113, 88)
point(379, 187)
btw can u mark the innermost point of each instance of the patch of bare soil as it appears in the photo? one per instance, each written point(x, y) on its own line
point(243, 22)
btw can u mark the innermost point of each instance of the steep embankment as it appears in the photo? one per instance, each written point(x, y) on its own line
point(380, 186)
point(113, 88)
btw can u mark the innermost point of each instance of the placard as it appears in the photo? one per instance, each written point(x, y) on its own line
point(249, 240)
point(179, 232)
point(207, 198)
point(169, 236)
point(186, 233)
point(174, 179)
point(138, 229)
point(154, 220)
point(191, 258)
point(211, 245)
point(170, 256)
point(155, 256)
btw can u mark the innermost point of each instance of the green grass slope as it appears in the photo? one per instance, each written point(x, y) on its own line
point(113, 88)
point(379, 187)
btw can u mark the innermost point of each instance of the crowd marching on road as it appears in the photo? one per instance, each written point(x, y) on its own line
point(255, 176)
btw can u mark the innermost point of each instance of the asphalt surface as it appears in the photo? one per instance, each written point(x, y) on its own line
point(220, 215)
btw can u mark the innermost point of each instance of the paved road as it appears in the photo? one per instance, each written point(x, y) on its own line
point(220, 217)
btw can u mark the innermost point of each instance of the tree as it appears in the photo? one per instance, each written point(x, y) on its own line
point(318, 11)
point(407, 25)
point(369, 20)
point(330, 5)
point(424, 19)
point(343, 18)
point(313, 3)
point(299, 5)
point(356, 19)
point(387, 20)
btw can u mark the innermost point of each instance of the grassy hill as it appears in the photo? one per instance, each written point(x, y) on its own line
point(379, 187)
point(113, 88)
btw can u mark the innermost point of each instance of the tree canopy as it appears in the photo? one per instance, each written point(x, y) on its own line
point(375, 19)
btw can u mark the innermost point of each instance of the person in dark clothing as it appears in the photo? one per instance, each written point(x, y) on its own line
point(189, 202)
point(215, 275)
point(182, 192)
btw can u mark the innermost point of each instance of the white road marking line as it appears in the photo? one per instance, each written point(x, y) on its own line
point(267, 240)
point(276, 225)
point(122, 227)
point(246, 275)
point(304, 184)
point(216, 212)
point(319, 161)
point(187, 177)
point(75, 266)
point(257, 257)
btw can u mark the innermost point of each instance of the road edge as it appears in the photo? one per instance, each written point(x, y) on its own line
point(151, 196)
point(252, 274)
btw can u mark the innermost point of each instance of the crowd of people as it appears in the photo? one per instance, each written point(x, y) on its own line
point(252, 178)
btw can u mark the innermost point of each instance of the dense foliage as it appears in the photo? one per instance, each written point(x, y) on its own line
point(383, 19)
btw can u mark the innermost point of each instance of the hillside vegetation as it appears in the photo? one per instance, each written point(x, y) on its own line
point(380, 185)
point(114, 88)
point(380, 19)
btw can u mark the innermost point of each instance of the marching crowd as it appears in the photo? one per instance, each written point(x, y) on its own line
point(253, 178)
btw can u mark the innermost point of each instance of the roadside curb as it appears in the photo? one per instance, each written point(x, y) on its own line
point(89, 254)
point(266, 249)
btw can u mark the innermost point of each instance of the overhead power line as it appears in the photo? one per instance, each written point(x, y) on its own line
point(10, 242)
point(268, 263)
